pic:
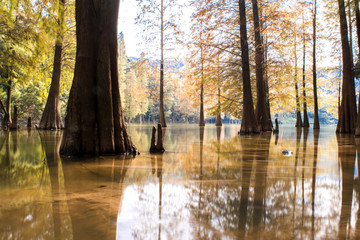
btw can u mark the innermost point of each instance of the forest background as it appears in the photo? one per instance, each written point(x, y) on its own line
point(205, 32)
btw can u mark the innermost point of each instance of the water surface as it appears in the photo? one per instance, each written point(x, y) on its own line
point(209, 184)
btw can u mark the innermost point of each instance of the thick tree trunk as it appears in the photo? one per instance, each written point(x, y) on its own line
point(316, 107)
point(6, 123)
point(162, 119)
point(357, 14)
point(95, 122)
point(347, 117)
point(14, 122)
point(51, 117)
point(249, 124)
point(261, 112)
point(306, 119)
point(298, 113)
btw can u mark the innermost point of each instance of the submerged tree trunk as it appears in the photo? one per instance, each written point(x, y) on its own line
point(306, 119)
point(298, 113)
point(162, 119)
point(51, 117)
point(316, 107)
point(261, 112)
point(347, 116)
point(95, 122)
point(249, 123)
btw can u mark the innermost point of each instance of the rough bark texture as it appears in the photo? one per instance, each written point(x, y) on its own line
point(248, 124)
point(95, 122)
point(347, 115)
point(51, 117)
point(162, 119)
point(316, 124)
point(159, 146)
point(14, 122)
point(261, 112)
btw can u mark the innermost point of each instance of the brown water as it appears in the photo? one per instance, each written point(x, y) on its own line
point(210, 184)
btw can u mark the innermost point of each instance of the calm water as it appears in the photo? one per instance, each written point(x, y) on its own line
point(210, 184)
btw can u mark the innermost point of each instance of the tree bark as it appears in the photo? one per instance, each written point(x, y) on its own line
point(162, 119)
point(95, 123)
point(249, 123)
point(218, 122)
point(51, 117)
point(316, 107)
point(14, 122)
point(202, 118)
point(159, 146)
point(357, 14)
point(347, 116)
point(261, 112)
point(298, 113)
point(7, 119)
point(306, 119)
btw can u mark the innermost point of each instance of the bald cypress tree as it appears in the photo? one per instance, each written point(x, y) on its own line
point(249, 123)
point(94, 122)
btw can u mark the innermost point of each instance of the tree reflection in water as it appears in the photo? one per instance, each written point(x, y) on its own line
point(347, 154)
point(209, 184)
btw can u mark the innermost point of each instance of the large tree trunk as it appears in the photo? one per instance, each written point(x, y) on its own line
point(6, 122)
point(51, 117)
point(347, 116)
point(357, 14)
point(261, 112)
point(306, 119)
point(249, 123)
point(14, 122)
point(162, 119)
point(316, 107)
point(95, 122)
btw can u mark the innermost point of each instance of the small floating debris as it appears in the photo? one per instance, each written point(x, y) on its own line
point(287, 153)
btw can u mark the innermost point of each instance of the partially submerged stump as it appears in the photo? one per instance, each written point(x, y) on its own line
point(159, 146)
point(276, 130)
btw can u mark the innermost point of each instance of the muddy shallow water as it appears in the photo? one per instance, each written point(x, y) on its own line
point(209, 184)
